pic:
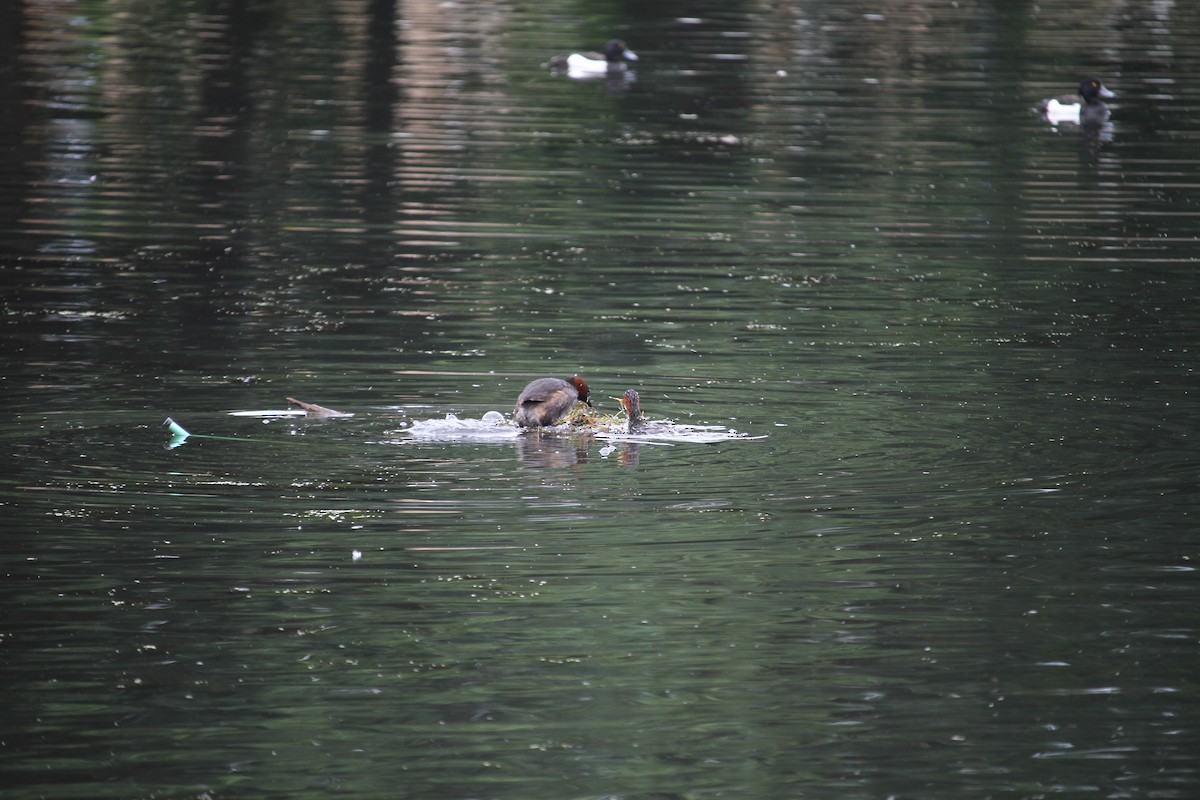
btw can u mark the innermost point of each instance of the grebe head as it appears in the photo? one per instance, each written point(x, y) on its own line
point(632, 404)
point(581, 388)
point(633, 409)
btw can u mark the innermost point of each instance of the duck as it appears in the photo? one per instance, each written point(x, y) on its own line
point(546, 401)
point(634, 421)
point(1085, 108)
point(581, 65)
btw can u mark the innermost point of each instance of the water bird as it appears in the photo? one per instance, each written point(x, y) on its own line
point(1085, 108)
point(632, 404)
point(547, 400)
point(580, 65)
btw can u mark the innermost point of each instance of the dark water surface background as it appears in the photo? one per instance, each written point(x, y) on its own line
point(962, 564)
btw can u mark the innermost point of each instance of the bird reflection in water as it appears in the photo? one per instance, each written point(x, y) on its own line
point(553, 452)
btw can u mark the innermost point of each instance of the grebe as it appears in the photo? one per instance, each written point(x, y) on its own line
point(547, 400)
point(632, 404)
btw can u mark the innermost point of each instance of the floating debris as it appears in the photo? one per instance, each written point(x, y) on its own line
point(585, 416)
point(180, 434)
point(270, 413)
point(314, 410)
point(304, 410)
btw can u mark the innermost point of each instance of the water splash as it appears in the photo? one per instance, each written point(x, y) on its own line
point(493, 427)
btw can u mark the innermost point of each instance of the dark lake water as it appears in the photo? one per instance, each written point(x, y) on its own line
point(961, 563)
